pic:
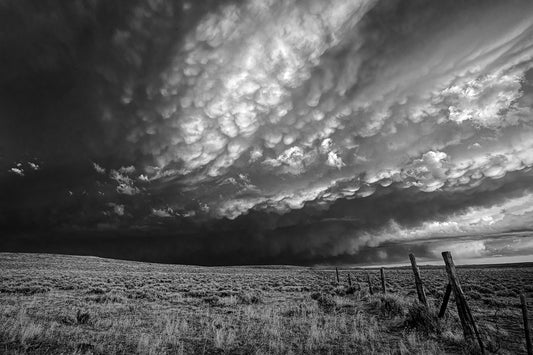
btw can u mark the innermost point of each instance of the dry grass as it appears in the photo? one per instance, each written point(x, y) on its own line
point(85, 305)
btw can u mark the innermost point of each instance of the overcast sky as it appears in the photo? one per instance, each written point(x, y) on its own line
point(268, 131)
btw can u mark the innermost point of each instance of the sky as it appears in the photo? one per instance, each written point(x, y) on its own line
point(268, 131)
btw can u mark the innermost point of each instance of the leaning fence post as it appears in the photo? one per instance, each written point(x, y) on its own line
point(523, 301)
point(383, 284)
point(445, 300)
point(467, 320)
point(418, 281)
point(337, 273)
point(369, 284)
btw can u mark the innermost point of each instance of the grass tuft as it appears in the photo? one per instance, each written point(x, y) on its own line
point(388, 305)
point(326, 302)
point(82, 317)
point(422, 319)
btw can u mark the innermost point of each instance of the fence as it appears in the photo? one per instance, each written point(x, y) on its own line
point(525, 300)
point(470, 329)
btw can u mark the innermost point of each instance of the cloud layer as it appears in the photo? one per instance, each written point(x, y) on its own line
point(282, 119)
point(293, 102)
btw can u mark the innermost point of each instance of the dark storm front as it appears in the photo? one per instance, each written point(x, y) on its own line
point(267, 131)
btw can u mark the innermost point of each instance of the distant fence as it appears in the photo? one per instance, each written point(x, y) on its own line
point(468, 323)
point(525, 300)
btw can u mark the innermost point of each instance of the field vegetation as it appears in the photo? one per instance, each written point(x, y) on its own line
point(85, 305)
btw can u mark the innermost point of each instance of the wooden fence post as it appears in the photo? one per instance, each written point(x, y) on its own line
point(418, 281)
point(383, 284)
point(369, 284)
point(445, 300)
point(337, 273)
point(523, 301)
point(467, 320)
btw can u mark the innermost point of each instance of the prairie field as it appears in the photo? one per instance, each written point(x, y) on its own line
point(54, 304)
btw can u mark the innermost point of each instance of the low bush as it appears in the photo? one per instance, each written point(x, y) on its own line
point(105, 298)
point(388, 305)
point(474, 295)
point(350, 290)
point(82, 317)
point(249, 298)
point(506, 293)
point(492, 302)
point(96, 291)
point(212, 300)
point(420, 318)
point(26, 290)
point(326, 302)
point(483, 290)
point(315, 295)
point(339, 290)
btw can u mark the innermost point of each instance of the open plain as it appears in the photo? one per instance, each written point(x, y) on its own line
point(87, 305)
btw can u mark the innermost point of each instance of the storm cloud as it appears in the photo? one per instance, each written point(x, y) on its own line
point(267, 131)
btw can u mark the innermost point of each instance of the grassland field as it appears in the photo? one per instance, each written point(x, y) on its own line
point(55, 304)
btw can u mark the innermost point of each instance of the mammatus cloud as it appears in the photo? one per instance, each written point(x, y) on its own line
point(300, 99)
point(262, 116)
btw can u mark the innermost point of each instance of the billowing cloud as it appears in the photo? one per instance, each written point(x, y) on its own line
point(301, 97)
point(268, 116)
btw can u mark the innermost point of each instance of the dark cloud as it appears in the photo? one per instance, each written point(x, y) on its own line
point(65, 69)
point(280, 131)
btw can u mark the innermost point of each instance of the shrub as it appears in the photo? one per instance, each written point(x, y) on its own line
point(420, 318)
point(26, 290)
point(249, 298)
point(67, 320)
point(195, 294)
point(85, 348)
point(315, 295)
point(140, 295)
point(506, 293)
point(212, 300)
point(350, 290)
point(82, 317)
point(105, 298)
point(96, 291)
point(491, 302)
point(388, 305)
point(474, 295)
point(483, 290)
point(326, 303)
point(339, 290)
